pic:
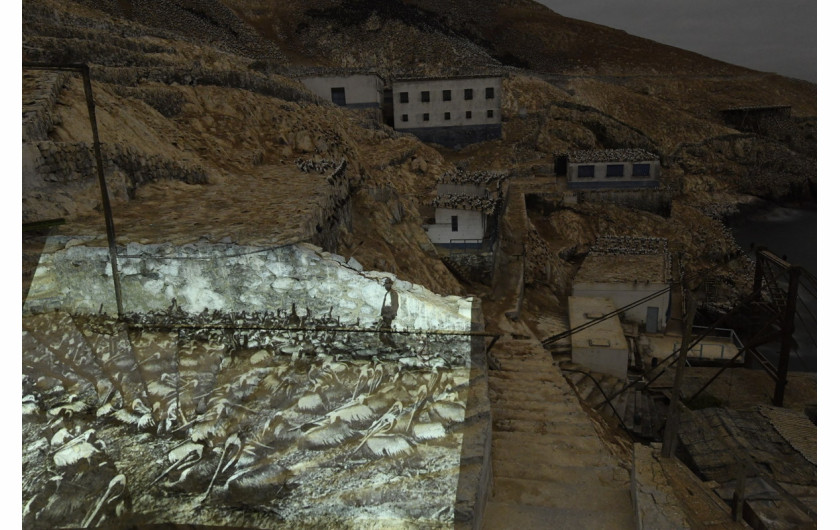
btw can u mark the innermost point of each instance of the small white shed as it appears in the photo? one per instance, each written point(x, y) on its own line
point(601, 347)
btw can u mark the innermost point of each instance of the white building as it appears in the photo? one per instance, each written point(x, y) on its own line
point(609, 169)
point(600, 346)
point(462, 221)
point(354, 91)
point(627, 270)
point(452, 111)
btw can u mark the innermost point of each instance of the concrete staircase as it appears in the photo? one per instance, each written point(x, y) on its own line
point(550, 467)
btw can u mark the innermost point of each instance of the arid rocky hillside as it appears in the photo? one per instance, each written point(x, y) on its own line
point(199, 111)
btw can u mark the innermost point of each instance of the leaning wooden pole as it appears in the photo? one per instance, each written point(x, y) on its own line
point(97, 152)
point(669, 442)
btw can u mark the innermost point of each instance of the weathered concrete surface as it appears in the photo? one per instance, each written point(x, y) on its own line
point(551, 468)
point(76, 278)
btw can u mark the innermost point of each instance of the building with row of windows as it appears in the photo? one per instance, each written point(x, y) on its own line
point(452, 112)
point(609, 168)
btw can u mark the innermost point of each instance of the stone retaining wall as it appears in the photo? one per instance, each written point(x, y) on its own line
point(66, 163)
point(77, 279)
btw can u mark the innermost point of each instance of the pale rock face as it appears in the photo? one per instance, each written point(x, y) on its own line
point(234, 279)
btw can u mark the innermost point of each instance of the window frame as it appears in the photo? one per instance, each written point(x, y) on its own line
point(615, 171)
point(489, 93)
point(454, 221)
point(446, 95)
point(589, 168)
point(468, 94)
point(425, 96)
point(405, 117)
point(637, 169)
point(425, 116)
point(403, 97)
point(447, 116)
point(468, 115)
point(490, 113)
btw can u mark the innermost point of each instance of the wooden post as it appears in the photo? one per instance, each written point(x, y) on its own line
point(738, 495)
point(103, 187)
point(669, 442)
point(788, 325)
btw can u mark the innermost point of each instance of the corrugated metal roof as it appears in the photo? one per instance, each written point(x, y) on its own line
point(796, 428)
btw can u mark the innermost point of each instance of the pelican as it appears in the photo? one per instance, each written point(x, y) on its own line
point(355, 412)
point(75, 450)
point(117, 481)
point(232, 441)
point(331, 432)
point(313, 401)
point(30, 405)
point(181, 457)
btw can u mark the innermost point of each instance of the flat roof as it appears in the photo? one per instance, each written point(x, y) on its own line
point(447, 78)
point(617, 259)
point(277, 205)
point(462, 201)
point(605, 334)
point(611, 155)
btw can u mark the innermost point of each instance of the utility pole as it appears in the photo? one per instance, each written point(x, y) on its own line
point(669, 442)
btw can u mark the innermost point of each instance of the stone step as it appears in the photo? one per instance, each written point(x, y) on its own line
point(509, 412)
point(553, 440)
point(583, 491)
point(504, 516)
point(549, 408)
point(533, 462)
point(538, 377)
point(572, 450)
point(570, 426)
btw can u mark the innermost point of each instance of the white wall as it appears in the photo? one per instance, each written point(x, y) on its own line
point(471, 225)
point(358, 89)
point(457, 106)
point(623, 294)
point(232, 278)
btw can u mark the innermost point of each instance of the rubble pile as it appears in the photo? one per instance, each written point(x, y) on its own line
point(318, 166)
point(488, 205)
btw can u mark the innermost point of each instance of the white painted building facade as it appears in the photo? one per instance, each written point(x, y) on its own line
point(622, 271)
point(449, 111)
point(610, 169)
point(354, 91)
point(600, 347)
point(457, 227)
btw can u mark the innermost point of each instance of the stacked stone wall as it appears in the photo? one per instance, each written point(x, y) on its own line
point(67, 163)
point(38, 116)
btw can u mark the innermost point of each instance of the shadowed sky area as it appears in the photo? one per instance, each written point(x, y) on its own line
point(767, 35)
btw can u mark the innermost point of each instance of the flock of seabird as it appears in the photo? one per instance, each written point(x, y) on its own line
point(116, 416)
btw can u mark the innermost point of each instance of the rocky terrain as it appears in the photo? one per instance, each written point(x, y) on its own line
point(195, 96)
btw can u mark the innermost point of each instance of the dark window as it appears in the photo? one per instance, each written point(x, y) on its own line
point(615, 170)
point(641, 170)
point(586, 172)
point(489, 113)
point(403, 97)
point(424, 96)
point(405, 117)
point(425, 117)
point(467, 93)
point(469, 114)
point(488, 93)
point(338, 96)
point(454, 223)
point(447, 95)
point(446, 116)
